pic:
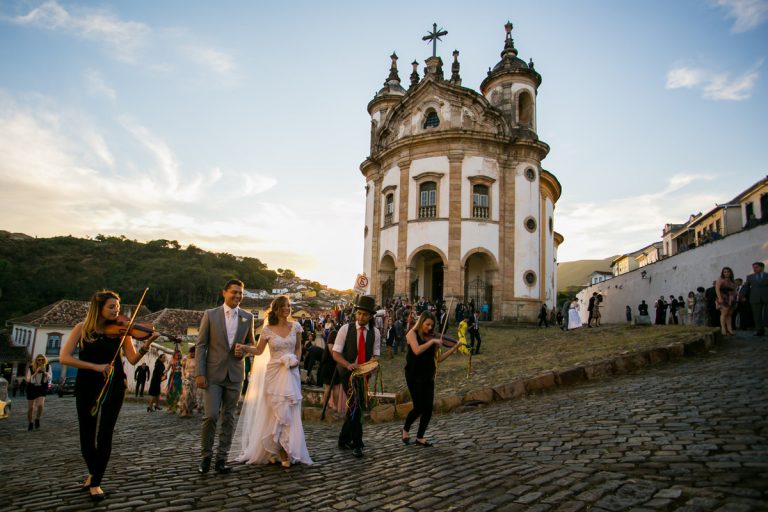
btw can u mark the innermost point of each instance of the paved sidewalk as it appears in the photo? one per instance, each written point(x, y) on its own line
point(689, 435)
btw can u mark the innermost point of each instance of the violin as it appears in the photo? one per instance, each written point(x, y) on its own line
point(448, 341)
point(139, 331)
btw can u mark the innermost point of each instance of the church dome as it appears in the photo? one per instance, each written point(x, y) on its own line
point(510, 63)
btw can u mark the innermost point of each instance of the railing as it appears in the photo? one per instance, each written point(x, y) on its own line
point(428, 212)
point(480, 212)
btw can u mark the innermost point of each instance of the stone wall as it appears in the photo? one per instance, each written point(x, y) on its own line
point(678, 274)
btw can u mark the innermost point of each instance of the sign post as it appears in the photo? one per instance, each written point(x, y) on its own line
point(361, 284)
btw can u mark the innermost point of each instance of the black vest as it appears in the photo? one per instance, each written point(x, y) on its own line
point(350, 346)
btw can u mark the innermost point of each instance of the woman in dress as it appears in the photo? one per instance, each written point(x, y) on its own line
point(574, 319)
point(97, 358)
point(158, 375)
point(699, 307)
point(187, 401)
point(420, 363)
point(337, 400)
point(175, 382)
point(270, 421)
point(725, 288)
point(38, 377)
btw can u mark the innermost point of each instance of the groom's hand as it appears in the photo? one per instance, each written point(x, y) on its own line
point(201, 381)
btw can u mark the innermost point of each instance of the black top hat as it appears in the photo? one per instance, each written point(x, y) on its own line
point(366, 303)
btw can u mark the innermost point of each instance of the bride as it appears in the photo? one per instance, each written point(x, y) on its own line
point(270, 420)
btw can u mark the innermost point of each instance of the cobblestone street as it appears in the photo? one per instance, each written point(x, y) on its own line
point(689, 435)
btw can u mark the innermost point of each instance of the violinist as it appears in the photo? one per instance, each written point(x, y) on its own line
point(420, 363)
point(98, 361)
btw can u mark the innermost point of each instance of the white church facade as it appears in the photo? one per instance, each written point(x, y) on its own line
point(457, 202)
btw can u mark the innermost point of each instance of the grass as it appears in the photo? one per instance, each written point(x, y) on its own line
point(509, 353)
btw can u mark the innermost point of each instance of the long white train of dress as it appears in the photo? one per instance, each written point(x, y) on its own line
point(271, 414)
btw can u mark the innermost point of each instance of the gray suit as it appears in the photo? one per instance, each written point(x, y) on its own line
point(756, 286)
point(225, 373)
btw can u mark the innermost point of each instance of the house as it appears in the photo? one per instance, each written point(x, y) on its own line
point(598, 276)
point(753, 203)
point(279, 291)
point(677, 238)
point(720, 221)
point(43, 331)
point(175, 323)
point(625, 263)
point(649, 254)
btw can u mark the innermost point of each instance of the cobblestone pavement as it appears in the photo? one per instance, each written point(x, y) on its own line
point(690, 435)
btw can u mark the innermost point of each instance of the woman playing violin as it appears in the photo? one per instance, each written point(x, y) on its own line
point(420, 362)
point(98, 352)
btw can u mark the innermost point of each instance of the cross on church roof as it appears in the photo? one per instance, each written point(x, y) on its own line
point(434, 36)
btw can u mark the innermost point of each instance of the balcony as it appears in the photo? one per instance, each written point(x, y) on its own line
point(480, 212)
point(428, 212)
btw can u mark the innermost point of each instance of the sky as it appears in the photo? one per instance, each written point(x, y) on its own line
point(240, 127)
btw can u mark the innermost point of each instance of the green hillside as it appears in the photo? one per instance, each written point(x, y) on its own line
point(572, 274)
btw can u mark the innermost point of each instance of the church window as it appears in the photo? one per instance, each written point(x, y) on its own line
point(530, 224)
point(530, 278)
point(480, 205)
point(525, 109)
point(431, 120)
point(530, 174)
point(389, 209)
point(53, 345)
point(550, 225)
point(428, 200)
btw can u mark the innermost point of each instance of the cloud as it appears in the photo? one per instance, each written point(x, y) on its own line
point(747, 14)
point(713, 85)
point(97, 86)
point(129, 41)
point(122, 38)
point(627, 224)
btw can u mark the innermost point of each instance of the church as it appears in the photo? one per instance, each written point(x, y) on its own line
point(457, 202)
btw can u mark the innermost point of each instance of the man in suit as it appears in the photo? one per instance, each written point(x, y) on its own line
point(591, 308)
point(756, 288)
point(220, 371)
point(140, 376)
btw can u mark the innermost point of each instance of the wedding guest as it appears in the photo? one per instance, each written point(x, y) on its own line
point(158, 376)
point(725, 288)
point(700, 307)
point(38, 378)
point(756, 289)
point(141, 375)
point(188, 399)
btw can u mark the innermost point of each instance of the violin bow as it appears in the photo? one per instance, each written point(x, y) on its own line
point(108, 381)
point(442, 332)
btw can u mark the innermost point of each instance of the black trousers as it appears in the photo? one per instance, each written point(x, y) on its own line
point(352, 429)
point(96, 431)
point(423, 395)
point(140, 387)
point(474, 336)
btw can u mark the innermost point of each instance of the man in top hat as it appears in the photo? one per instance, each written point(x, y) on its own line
point(356, 343)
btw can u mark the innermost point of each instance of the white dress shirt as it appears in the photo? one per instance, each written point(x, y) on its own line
point(230, 319)
point(341, 337)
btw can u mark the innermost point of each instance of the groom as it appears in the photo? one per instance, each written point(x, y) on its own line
point(220, 371)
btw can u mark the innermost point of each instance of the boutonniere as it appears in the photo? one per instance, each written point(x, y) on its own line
point(242, 319)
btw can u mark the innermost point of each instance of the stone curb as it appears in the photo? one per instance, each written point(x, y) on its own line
point(623, 363)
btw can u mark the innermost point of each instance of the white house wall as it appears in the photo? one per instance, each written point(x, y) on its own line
point(388, 241)
point(678, 274)
point(432, 232)
point(527, 245)
point(480, 234)
point(367, 247)
point(479, 166)
point(549, 253)
point(438, 164)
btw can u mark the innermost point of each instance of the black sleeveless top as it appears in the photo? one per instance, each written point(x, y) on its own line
point(99, 351)
point(420, 366)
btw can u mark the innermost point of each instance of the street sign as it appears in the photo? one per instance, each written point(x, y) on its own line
point(361, 284)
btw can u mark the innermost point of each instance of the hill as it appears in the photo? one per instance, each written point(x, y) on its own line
point(571, 274)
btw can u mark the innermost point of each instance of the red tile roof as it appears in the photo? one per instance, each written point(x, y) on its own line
point(66, 313)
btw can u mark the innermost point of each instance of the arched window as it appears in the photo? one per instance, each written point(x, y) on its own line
point(480, 209)
point(53, 345)
point(431, 120)
point(428, 200)
point(525, 109)
point(389, 209)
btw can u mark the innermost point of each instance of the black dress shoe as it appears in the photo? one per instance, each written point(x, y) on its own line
point(345, 445)
point(99, 496)
point(357, 452)
point(204, 466)
point(222, 468)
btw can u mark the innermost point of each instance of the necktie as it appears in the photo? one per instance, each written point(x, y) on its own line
point(361, 346)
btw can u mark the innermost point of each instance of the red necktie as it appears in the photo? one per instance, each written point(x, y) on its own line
point(361, 346)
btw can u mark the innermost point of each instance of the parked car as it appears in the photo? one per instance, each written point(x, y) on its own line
point(66, 387)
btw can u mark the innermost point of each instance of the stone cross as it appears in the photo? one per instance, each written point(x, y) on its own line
point(434, 36)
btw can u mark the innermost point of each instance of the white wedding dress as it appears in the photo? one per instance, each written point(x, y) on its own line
point(271, 413)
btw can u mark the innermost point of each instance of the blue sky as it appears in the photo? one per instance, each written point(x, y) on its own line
point(240, 126)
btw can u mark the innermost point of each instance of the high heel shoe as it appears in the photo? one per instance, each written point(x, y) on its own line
point(406, 440)
point(98, 496)
point(425, 443)
point(285, 463)
point(87, 484)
